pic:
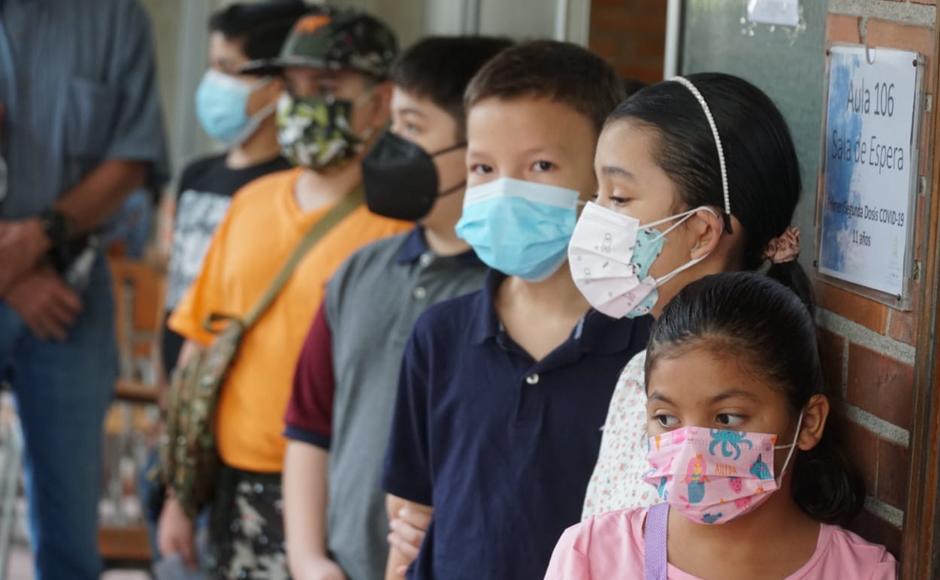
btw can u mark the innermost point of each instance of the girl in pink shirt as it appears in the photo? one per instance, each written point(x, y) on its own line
point(751, 481)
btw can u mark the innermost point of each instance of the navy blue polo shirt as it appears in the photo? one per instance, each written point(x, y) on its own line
point(500, 445)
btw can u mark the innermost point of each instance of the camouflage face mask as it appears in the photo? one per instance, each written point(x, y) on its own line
point(314, 132)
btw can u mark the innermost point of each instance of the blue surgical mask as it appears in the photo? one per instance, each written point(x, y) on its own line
point(221, 107)
point(520, 228)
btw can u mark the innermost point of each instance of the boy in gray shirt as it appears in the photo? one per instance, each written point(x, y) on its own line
point(344, 390)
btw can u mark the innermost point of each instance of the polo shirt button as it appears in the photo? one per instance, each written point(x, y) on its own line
point(420, 293)
point(426, 259)
point(532, 379)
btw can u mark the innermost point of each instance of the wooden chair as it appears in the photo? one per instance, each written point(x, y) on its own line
point(139, 288)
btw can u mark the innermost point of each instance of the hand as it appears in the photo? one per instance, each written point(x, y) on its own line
point(45, 303)
point(407, 534)
point(22, 244)
point(175, 533)
point(321, 568)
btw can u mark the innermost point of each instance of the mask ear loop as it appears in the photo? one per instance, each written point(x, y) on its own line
point(254, 122)
point(792, 446)
point(453, 147)
point(678, 218)
point(452, 190)
point(445, 150)
point(365, 96)
point(682, 217)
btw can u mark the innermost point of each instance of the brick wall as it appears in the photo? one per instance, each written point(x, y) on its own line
point(869, 350)
point(631, 35)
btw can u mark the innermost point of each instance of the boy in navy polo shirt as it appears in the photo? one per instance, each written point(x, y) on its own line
point(503, 392)
point(344, 387)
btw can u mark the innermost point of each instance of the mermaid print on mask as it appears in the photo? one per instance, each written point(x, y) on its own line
point(695, 479)
point(724, 472)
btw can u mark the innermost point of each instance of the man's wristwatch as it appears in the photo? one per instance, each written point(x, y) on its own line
point(57, 226)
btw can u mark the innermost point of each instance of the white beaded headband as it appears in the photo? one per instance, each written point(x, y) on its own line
point(721, 152)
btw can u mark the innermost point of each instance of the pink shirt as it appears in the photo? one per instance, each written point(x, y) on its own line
point(611, 546)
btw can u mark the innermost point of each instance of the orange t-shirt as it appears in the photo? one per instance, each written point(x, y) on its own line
point(262, 227)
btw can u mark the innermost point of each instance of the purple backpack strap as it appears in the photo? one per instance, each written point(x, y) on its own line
point(654, 536)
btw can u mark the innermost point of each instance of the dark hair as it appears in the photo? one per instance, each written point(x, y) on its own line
point(770, 329)
point(439, 68)
point(560, 71)
point(762, 166)
point(631, 86)
point(260, 28)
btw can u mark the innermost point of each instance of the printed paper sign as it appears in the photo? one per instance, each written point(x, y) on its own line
point(870, 164)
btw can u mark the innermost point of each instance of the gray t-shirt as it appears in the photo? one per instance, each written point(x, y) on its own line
point(370, 308)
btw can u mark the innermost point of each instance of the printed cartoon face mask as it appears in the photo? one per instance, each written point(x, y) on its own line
point(611, 254)
point(712, 476)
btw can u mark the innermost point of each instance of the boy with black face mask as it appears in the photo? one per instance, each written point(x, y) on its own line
point(344, 388)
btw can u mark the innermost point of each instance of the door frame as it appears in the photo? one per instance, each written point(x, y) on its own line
point(920, 543)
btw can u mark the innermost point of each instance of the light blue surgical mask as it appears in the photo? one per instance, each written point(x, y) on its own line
point(221, 107)
point(520, 228)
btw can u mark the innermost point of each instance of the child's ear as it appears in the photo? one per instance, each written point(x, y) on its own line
point(382, 104)
point(706, 227)
point(815, 415)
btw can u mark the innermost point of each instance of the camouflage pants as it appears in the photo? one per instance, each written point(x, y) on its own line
point(246, 534)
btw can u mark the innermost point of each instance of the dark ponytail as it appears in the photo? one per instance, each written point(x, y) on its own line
point(770, 329)
point(794, 277)
point(763, 169)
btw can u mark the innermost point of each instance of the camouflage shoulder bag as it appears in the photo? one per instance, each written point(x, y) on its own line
point(188, 459)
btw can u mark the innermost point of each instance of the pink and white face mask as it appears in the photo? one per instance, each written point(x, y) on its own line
point(712, 476)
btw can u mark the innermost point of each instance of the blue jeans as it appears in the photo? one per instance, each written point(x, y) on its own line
point(62, 391)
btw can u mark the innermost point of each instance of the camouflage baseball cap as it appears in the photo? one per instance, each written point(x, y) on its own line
point(335, 39)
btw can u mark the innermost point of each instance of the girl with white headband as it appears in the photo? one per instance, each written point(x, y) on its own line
point(696, 176)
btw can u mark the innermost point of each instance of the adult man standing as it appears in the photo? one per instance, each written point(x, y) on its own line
point(83, 129)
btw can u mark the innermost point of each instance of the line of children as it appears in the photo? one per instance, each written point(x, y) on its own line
point(707, 166)
point(334, 66)
point(739, 450)
point(344, 389)
point(701, 174)
point(502, 392)
point(238, 111)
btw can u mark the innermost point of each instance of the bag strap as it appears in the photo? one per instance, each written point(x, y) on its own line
point(326, 223)
point(656, 562)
